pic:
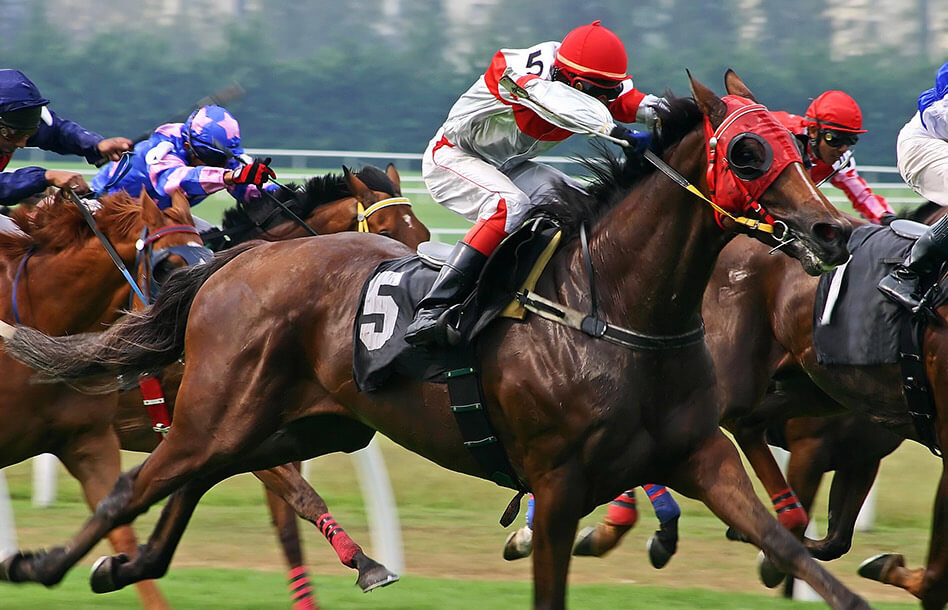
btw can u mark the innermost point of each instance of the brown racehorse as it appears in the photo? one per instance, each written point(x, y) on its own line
point(581, 418)
point(328, 204)
point(56, 276)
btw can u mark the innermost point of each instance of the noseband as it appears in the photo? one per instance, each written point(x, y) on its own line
point(147, 259)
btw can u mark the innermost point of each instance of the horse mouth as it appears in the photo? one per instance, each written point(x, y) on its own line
point(811, 260)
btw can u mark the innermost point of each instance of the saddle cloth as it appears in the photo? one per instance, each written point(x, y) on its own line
point(390, 295)
point(853, 322)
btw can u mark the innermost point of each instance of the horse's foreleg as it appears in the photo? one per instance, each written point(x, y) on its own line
point(848, 491)
point(288, 533)
point(714, 474)
point(286, 482)
point(95, 463)
point(790, 512)
point(558, 507)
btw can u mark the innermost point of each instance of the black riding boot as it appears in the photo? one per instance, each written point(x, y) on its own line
point(452, 286)
point(925, 257)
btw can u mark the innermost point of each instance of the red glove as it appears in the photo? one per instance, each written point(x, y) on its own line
point(256, 173)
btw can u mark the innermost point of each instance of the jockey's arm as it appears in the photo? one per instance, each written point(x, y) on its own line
point(65, 137)
point(872, 207)
point(561, 105)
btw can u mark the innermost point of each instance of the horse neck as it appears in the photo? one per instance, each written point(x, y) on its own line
point(334, 217)
point(71, 290)
point(655, 251)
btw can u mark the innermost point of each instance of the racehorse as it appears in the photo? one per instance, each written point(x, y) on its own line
point(328, 204)
point(620, 418)
point(369, 201)
point(56, 276)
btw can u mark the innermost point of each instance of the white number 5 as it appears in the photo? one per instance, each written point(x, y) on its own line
point(374, 334)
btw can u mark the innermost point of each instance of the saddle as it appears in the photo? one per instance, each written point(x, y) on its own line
point(855, 324)
point(391, 293)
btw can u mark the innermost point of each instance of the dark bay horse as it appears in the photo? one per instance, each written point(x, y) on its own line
point(333, 203)
point(369, 201)
point(56, 276)
point(581, 418)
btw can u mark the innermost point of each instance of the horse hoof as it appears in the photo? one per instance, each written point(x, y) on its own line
point(658, 553)
point(736, 536)
point(769, 573)
point(878, 567)
point(102, 577)
point(379, 576)
point(519, 544)
point(584, 545)
point(8, 567)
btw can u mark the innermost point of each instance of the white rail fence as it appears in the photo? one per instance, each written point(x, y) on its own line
point(377, 492)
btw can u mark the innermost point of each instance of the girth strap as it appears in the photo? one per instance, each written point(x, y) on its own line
point(915, 388)
point(467, 404)
point(598, 328)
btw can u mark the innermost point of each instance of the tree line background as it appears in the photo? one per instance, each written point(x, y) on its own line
point(351, 76)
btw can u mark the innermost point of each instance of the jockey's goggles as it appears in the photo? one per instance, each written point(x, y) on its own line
point(607, 90)
point(210, 155)
point(15, 135)
point(838, 139)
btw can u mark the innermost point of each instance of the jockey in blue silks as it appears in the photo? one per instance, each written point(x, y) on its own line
point(922, 152)
point(200, 156)
point(25, 120)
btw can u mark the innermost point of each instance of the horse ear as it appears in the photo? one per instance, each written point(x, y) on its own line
point(358, 188)
point(709, 103)
point(181, 204)
point(735, 86)
point(151, 215)
point(392, 174)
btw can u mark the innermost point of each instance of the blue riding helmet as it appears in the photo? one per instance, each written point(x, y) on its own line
point(213, 135)
point(20, 101)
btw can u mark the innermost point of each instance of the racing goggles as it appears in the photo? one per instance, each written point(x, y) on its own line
point(838, 139)
point(607, 90)
point(215, 156)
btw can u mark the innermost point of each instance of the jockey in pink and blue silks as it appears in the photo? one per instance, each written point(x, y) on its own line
point(479, 162)
point(199, 157)
point(26, 120)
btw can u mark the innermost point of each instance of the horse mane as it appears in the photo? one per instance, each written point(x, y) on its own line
point(612, 177)
point(317, 191)
point(56, 224)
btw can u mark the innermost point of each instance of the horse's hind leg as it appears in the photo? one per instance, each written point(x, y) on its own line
point(715, 475)
point(94, 461)
point(284, 519)
point(287, 482)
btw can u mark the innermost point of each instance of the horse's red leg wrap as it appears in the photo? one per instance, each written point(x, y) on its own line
point(790, 512)
point(622, 510)
point(344, 546)
point(301, 590)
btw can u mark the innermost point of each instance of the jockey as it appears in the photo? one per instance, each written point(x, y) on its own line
point(922, 152)
point(826, 136)
point(200, 156)
point(25, 121)
point(478, 163)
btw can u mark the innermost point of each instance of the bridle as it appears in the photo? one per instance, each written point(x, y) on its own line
point(736, 186)
point(148, 259)
point(363, 213)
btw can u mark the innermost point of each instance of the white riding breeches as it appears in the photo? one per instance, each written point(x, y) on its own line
point(923, 163)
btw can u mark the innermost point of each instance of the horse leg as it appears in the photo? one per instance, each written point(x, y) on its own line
point(621, 516)
point(95, 462)
point(288, 533)
point(715, 475)
point(287, 483)
point(558, 495)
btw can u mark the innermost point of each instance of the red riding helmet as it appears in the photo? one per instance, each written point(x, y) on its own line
point(837, 111)
point(593, 51)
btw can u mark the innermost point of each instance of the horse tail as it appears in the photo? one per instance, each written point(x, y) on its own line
point(139, 342)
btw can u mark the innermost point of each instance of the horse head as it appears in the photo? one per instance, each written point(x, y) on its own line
point(385, 213)
point(755, 170)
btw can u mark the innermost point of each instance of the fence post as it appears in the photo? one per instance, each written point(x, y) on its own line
point(8, 544)
point(45, 472)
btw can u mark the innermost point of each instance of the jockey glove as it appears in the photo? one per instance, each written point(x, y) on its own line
point(256, 173)
point(639, 141)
